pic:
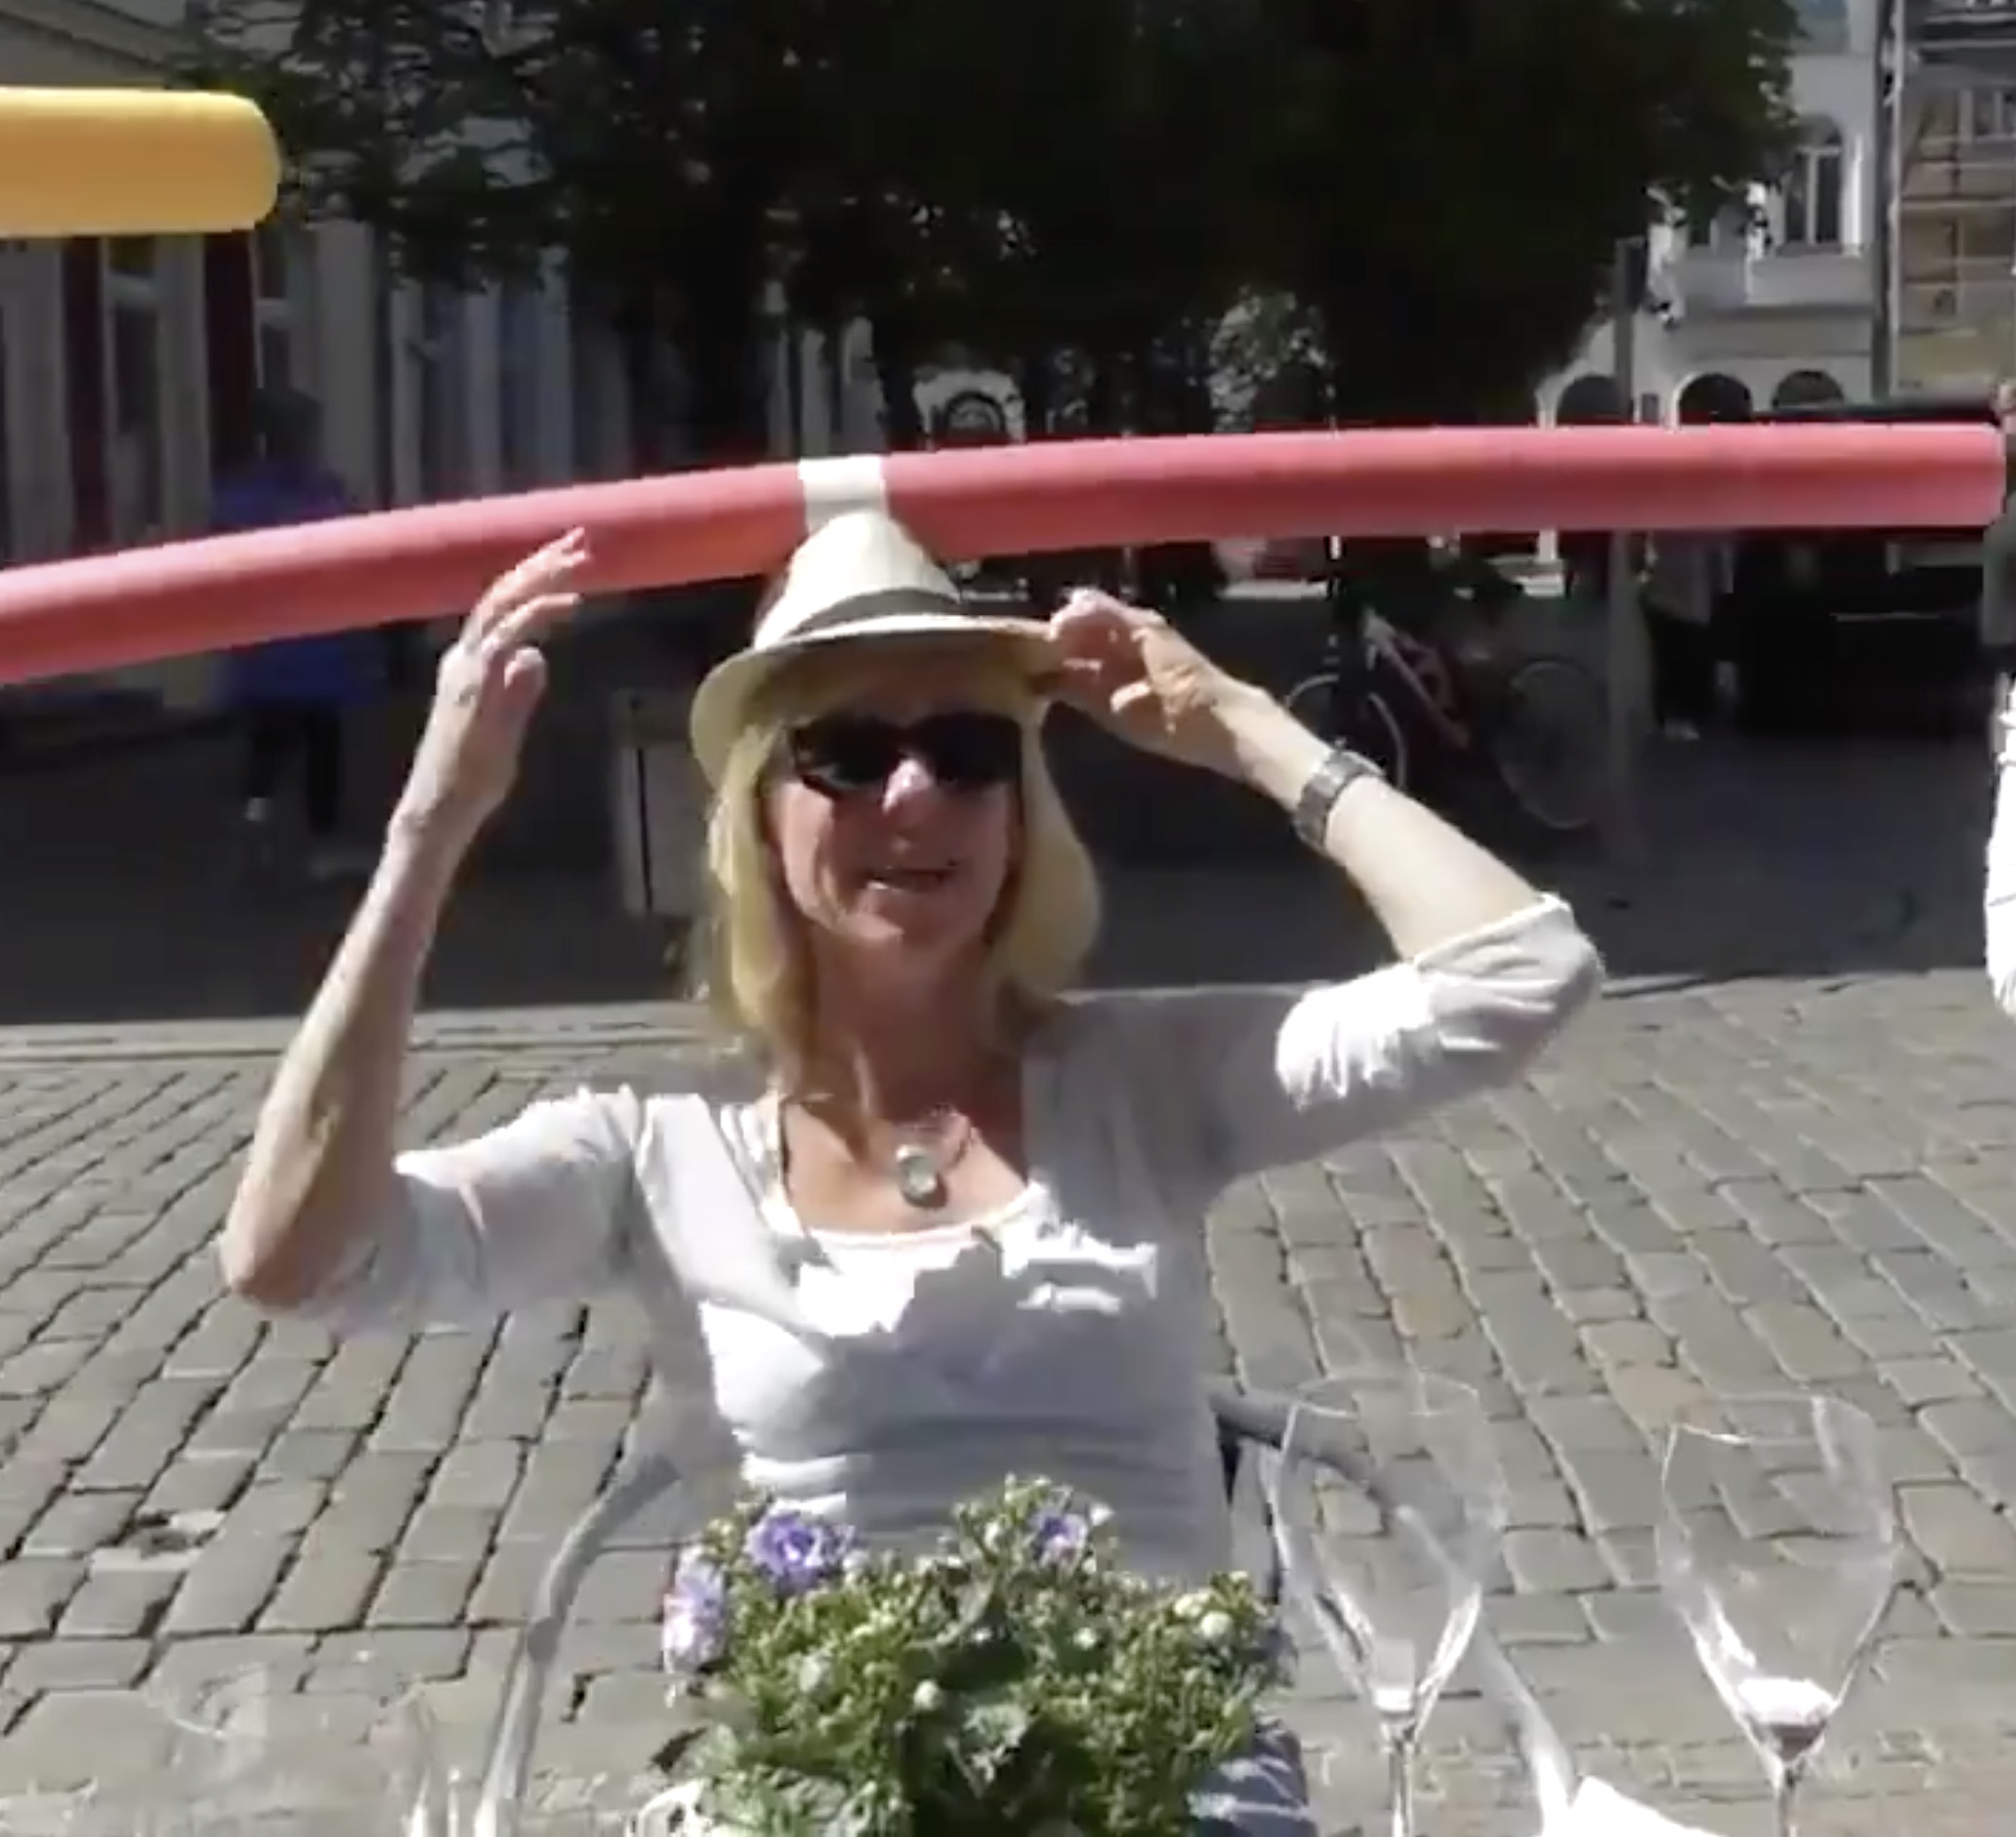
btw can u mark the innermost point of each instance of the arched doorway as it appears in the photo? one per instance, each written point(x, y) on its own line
point(1590, 400)
point(1716, 397)
point(1808, 389)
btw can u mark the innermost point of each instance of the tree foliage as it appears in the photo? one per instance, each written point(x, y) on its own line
point(1079, 191)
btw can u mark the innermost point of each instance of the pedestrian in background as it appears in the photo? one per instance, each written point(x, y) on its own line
point(293, 695)
point(1689, 575)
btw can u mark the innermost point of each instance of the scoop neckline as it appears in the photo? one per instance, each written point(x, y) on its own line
point(783, 1217)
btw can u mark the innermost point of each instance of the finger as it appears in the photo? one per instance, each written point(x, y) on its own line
point(1092, 602)
point(535, 573)
point(1090, 632)
point(524, 682)
point(1076, 676)
point(1112, 630)
point(524, 625)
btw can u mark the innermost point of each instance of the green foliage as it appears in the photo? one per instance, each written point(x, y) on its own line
point(1016, 1678)
point(1435, 171)
point(1088, 176)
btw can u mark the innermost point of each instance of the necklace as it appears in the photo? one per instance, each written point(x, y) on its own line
point(921, 1166)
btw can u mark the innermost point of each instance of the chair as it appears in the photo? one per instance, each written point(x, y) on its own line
point(1249, 1423)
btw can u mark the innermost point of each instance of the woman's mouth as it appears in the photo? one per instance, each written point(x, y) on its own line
point(908, 878)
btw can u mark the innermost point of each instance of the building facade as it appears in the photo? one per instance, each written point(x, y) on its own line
point(1956, 234)
point(1774, 302)
point(129, 369)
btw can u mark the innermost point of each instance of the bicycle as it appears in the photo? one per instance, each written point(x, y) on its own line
point(1533, 726)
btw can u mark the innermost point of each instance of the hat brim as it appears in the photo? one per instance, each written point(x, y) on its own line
point(721, 704)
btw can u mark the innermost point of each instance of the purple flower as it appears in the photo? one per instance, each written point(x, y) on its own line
point(797, 1552)
point(695, 1629)
point(1059, 1536)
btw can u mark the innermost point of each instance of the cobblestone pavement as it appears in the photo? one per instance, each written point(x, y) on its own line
point(1782, 1152)
point(1735, 1186)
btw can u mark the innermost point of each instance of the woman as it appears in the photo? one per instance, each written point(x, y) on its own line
point(964, 1230)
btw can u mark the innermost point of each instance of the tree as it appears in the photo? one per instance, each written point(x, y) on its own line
point(1446, 183)
point(652, 144)
point(1075, 188)
point(1021, 182)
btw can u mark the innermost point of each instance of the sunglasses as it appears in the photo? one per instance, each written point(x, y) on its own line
point(964, 750)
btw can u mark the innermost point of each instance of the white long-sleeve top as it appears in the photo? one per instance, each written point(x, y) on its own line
point(887, 1377)
point(1999, 896)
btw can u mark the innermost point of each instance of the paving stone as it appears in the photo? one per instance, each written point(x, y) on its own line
point(431, 1593)
point(33, 1593)
point(77, 1524)
point(1976, 1609)
point(229, 1585)
point(1956, 1532)
point(117, 1605)
point(80, 1664)
point(1553, 1563)
point(325, 1589)
point(187, 1666)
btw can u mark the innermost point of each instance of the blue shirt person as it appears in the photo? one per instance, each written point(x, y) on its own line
point(293, 693)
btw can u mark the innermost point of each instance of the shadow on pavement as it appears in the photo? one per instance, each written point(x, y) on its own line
point(126, 899)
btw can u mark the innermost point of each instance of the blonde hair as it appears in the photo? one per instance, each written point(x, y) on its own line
point(756, 969)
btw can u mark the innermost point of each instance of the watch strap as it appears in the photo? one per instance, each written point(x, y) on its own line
point(1330, 780)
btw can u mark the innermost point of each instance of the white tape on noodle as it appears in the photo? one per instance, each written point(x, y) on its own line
point(833, 487)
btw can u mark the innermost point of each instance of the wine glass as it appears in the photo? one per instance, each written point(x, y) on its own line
point(1778, 1547)
point(1388, 1507)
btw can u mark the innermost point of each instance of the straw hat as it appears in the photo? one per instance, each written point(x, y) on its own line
point(858, 578)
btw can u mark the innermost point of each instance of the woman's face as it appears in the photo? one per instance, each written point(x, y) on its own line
point(895, 814)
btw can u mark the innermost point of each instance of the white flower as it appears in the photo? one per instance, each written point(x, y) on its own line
point(811, 1673)
point(927, 1697)
point(1085, 1638)
point(1215, 1626)
point(1193, 1605)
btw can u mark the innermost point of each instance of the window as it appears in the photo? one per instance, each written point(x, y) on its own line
point(1986, 115)
point(276, 253)
point(443, 403)
point(1811, 197)
point(521, 312)
point(1987, 236)
point(1823, 25)
point(137, 443)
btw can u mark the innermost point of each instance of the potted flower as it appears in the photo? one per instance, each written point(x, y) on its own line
point(1014, 1680)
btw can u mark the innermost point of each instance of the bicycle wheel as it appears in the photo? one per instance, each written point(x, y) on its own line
point(1313, 701)
point(1370, 727)
point(1546, 743)
point(1374, 731)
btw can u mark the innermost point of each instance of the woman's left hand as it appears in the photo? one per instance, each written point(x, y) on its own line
point(1141, 680)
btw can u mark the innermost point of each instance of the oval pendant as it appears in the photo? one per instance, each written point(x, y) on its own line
point(918, 1179)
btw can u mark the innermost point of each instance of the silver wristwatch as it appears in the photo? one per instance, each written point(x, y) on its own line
point(1330, 780)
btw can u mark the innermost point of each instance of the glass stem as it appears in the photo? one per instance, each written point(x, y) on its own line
point(1396, 1735)
point(1784, 1791)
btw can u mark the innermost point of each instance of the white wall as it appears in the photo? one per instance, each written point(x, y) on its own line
point(1763, 311)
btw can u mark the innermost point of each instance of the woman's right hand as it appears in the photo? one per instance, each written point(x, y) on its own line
point(489, 683)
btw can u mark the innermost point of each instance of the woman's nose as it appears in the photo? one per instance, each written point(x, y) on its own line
point(911, 781)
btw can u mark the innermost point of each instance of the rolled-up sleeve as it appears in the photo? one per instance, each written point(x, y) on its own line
point(1279, 1076)
point(533, 1211)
